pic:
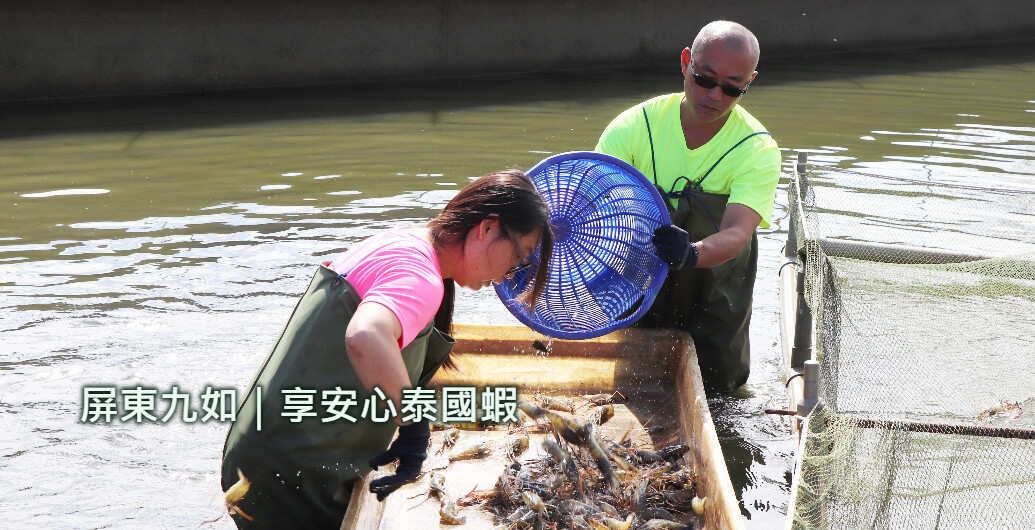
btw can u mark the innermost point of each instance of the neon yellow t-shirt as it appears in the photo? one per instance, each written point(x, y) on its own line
point(748, 174)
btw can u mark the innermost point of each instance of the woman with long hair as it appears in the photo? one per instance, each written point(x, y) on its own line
point(373, 322)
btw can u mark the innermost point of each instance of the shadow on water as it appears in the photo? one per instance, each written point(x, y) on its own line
point(222, 108)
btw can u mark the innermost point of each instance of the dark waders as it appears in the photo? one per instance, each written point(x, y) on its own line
point(713, 304)
point(302, 473)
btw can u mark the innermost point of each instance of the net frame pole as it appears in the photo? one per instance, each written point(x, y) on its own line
point(803, 322)
point(944, 428)
point(802, 349)
point(790, 250)
point(810, 391)
point(886, 253)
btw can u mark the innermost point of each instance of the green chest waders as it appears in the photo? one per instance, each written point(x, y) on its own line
point(302, 472)
point(713, 304)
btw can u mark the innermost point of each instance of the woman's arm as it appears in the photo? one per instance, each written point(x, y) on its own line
point(372, 339)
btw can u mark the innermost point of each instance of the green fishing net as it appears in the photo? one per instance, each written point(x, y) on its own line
point(923, 296)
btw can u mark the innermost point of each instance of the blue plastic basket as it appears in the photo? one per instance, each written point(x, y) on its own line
point(604, 273)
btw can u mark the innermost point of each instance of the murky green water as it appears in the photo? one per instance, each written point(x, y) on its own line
point(163, 242)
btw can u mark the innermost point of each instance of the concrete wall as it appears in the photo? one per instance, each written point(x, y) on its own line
point(68, 49)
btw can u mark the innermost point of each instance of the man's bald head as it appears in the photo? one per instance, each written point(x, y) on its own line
point(730, 34)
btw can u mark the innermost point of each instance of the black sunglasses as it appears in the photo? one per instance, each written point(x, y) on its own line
point(525, 262)
point(708, 83)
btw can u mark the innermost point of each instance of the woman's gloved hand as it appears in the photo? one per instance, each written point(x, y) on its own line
point(674, 247)
point(410, 448)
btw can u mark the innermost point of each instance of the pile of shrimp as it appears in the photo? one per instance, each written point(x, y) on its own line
point(585, 481)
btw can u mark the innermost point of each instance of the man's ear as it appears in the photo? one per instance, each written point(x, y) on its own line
point(684, 59)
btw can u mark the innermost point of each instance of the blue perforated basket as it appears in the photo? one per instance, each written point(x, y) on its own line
point(604, 273)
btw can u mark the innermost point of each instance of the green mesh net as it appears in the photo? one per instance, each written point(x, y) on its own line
point(859, 473)
point(923, 297)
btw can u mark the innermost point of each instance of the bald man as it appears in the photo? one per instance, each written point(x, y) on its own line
point(718, 168)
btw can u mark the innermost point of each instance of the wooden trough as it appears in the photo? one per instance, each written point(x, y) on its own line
point(655, 370)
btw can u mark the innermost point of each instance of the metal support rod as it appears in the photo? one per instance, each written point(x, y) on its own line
point(791, 249)
point(941, 428)
point(883, 252)
point(801, 351)
point(803, 168)
point(810, 390)
point(803, 158)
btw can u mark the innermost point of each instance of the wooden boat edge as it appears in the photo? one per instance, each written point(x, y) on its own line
point(695, 422)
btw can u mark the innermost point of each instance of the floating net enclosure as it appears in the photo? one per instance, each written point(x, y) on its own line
point(923, 296)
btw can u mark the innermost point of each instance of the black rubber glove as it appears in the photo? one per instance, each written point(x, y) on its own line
point(674, 247)
point(410, 448)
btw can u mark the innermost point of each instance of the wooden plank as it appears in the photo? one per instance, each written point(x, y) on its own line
point(364, 509)
point(559, 372)
point(633, 345)
point(621, 359)
point(722, 510)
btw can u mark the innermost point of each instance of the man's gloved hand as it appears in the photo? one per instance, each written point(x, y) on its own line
point(674, 247)
point(410, 448)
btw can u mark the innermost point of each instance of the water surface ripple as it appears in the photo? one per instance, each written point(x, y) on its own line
point(164, 242)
